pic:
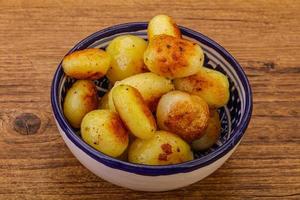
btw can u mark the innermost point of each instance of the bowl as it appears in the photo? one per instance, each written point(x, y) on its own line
point(235, 117)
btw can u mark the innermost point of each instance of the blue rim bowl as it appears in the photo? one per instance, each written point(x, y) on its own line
point(197, 163)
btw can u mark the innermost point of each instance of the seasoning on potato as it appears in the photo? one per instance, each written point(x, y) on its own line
point(163, 148)
point(163, 24)
point(150, 85)
point(211, 133)
point(89, 64)
point(173, 57)
point(133, 111)
point(127, 53)
point(80, 99)
point(104, 130)
point(183, 114)
point(211, 85)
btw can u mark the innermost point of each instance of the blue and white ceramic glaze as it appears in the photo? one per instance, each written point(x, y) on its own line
point(235, 119)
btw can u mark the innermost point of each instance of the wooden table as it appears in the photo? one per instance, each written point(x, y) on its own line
point(264, 36)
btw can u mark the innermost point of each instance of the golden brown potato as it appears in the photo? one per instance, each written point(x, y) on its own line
point(103, 103)
point(162, 24)
point(211, 85)
point(183, 114)
point(150, 85)
point(133, 111)
point(89, 64)
point(211, 133)
point(173, 57)
point(127, 57)
point(163, 148)
point(104, 130)
point(80, 99)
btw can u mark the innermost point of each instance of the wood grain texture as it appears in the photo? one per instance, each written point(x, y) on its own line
point(264, 36)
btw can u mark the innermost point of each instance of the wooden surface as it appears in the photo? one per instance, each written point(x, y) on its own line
point(264, 36)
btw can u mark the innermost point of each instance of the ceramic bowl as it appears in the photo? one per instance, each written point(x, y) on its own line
point(235, 117)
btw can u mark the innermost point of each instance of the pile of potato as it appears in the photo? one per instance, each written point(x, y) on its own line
point(162, 102)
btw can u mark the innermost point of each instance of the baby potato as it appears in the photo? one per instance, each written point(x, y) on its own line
point(162, 24)
point(104, 130)
point(80, 99)
point(211, 85)
point(133, 111)
point(173, 57)
point(89, 64)
point(103, 103)
point(211, 133)
point(127, 57)
point(150, 85)
point(164, 148)
point(183, 114)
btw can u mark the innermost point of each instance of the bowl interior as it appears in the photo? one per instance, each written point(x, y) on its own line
point(234, 116)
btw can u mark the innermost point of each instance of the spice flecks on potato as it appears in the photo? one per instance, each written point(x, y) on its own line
point(164, 148)
point(183, 114)
point(163, 24)
point(80, 99)
point(173, 57)
point(89, 64)
point(104, 130)
point(209, 84)
point(133, 111)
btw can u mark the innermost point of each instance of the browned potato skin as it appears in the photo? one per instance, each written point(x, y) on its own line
point(81, 98)
point(134, 112)
point(183, 114)
point(150, 85)
point(211, 85)
point(162, 24)
point(126, 53)
point(173, 57)
point(211, 133)
point(88, 64)
point(104, 130)
point(164, 148)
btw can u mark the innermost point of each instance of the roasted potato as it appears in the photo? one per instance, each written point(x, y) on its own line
point(89, 64)
point(103, 103)
point(127, 57)
point(150, 85)
point(183, 114)
point(163, 148)
point(133, 111)
point(211, 85)
point(104, 130)
point(173, 57)
point(162, 24)
point(80, 99)
point(211, 133)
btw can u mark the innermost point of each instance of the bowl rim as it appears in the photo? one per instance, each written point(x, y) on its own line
point(149, 170)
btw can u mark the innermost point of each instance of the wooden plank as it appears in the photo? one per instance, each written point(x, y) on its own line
point(263, 35)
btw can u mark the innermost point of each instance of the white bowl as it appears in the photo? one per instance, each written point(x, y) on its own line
point(235, 118)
